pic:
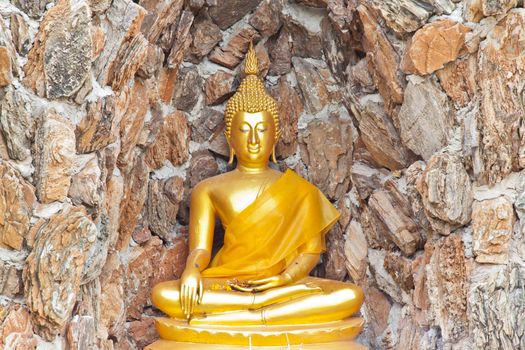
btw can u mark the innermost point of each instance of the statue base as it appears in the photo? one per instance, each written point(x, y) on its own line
point(175, 345)
point(181, 335)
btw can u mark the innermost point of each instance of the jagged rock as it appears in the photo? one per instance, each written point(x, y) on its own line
point(356, 251)
point(143, 332)
point(20, 31)
point(226, 13)
point(81, 333)
point(182, 41)
point(381, 137)
point(472, 10)
point(100, 127)
point(16, 330)
point(290, 107)
point(6, 70)
point(218, 87)
point(202, 166)
point(425, 117)
point(335, 263)
point(10, 280)
point(500, 67)
point(267, 18)
point(366, 179)
point(161, 14)
point(162, 205)
point(152, 63)
point(492, 223)
point(326, 149)
point(54, 156)
point(280, 54)
point(458, 79)
point(172, 143)
point(8, 63)
point(304, 42)
point(433, 46)
point(135, 192)
point(313, 3)
point(188, 89)
point(121, 23)
point(384, 280)
point(60, 60)
point(16, 205)
point(400, 269)
point(419, 264)
point(382, 59)
point(232, 53)
point(55, 269)
point(447, 279)
point(16, 124)
point(446, 191)
point(403, 16)
point(495, 8)
point(85, 184)
point(495, 303)
point(312, 85)
point(129, 59)
point(205, 34)
point(207, 125)
point(34, 8)
point(378, 307)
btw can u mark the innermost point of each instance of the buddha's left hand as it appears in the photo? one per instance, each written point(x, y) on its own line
point(263, 284)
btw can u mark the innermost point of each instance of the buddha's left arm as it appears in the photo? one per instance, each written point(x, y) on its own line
point(301, 266)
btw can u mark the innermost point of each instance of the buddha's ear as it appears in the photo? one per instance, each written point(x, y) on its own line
point(274, 158)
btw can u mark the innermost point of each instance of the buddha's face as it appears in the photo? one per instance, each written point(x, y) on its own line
point(252, 137)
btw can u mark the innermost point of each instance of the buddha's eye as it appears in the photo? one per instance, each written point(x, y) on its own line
point(263, 129)
point(245, 131)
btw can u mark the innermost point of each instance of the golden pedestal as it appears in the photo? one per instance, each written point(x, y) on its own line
point(178, 335)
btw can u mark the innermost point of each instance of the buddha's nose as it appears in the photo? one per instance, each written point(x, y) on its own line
point(254, 138)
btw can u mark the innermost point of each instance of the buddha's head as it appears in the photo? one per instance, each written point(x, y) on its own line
point(251, 119)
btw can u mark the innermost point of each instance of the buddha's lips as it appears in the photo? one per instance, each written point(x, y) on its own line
point(254, 149)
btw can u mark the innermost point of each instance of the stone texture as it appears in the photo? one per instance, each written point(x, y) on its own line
point(495, 8)
point(85, 185)
point(129, 59)
point(226, 13)
point(164, 197)
point(503, 150)
point(433, 46)
point(218, 87)
point(182, 40)
point(312, 85)
point(492, 223)
point(60, 60)
point(446, 191)
point(143, 332)
point(10, 279)
point(326, 149)
point(16, 124)
point(447, 287)
point(382, 59)
point(54, 156)
point(20, 31)
point(280, 53)
point(232, 53)
point(55, 269)
point(34, 8)
point(16, 330)
point(6, 72)
point(172, 143)
point(202, 166)
point(81, 333)
point(267, 18)
point(161, 14)
point(458, 79)
point(304, 42)
point(356, 251)
point(424, 118)
point(206, 34)
point(188, 89)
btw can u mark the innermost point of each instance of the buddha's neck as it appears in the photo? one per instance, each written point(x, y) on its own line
point(252, 169)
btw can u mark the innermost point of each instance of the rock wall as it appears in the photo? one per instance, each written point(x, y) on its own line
point(408, 115)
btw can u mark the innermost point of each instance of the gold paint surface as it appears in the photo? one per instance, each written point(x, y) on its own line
point(175, 345)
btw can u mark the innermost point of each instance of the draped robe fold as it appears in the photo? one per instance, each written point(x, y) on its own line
point(266, 236)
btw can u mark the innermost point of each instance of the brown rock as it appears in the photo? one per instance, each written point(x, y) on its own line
point(218, 87)
point(60, 60)
point(226, 13)
point(9, 66)
point(188, 89)
point(218, 143)
point(339, 47)
point(383, 60)
point(85, 185)
point(419, 265)
point(279, 50)
point(378, 309)
point(182, 40)
point(167, 82)
point(142, 233)
point(143, 332)
point(161, 14)
point(334, 259)
point(16, 124)
point(446, 192)
point(112, 298)
point(100, 127)
point(10, 279)
point(202, 166)
point(473, 11)
point(495, 8)
point(458, 79)
point(447, 287)
point(99, 40)
point(381, 137)
point(366, 179)
point(384, 280)
point(400, 269)
point(6, 74)
point(205, 34)
point(172, 143)
point(121, 23)
point(304, 43)
point(356, 251)
point(162, 204)
point(500, 64)
point(425, 117)
point(267, 18)
point(20, 31)
point(433, 46)
point(135, 192)
point(172, 262)
point(81, 333)
point(152, 63)
point(55, 269)
point(313, 3)
point(54, 156)
point(326, 149)
point(492, 225)
point(393, 223)
point(361, 76)
point(16, 330)
point(232, 53)
point(311, 83)
point(129, 59)
point(206, 125)
point(34, 8)
point(290, 107)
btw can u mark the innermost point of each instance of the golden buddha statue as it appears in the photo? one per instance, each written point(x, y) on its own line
point(257, 286)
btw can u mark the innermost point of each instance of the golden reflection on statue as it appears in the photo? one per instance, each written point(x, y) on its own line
point(274, 224)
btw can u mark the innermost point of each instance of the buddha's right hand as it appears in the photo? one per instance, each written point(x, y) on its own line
point(191, 290)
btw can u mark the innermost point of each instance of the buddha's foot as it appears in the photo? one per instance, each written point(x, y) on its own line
point(280, 294)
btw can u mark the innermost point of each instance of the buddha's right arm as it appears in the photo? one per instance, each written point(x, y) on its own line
point(202, 222)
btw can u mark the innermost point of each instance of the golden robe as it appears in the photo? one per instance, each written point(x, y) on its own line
point(266, 236)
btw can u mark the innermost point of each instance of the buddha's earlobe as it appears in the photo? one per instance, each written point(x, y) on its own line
point(232, 155)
